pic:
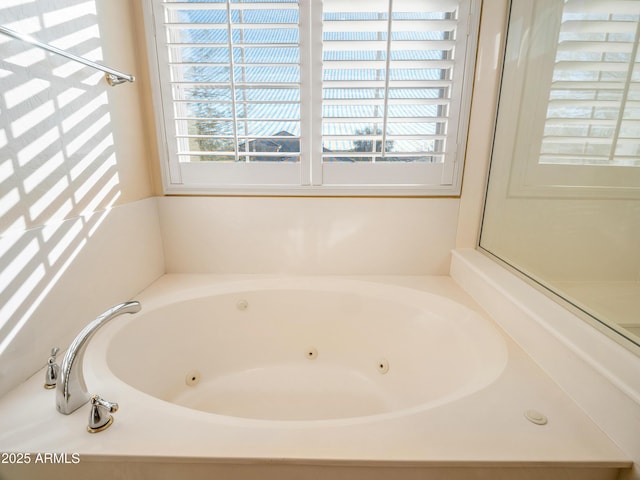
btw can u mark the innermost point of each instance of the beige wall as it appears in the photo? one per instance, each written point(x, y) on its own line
point(484, 104)
point(75, 154)
point(287, 235)
point(69, 143)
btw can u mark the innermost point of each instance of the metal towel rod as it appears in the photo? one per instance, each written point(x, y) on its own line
point(113, 77)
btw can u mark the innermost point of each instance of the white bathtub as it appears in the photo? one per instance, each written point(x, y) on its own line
point(300, 350)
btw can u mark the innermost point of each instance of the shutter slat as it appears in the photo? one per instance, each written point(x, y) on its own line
point(381, 45)
point(432, 120)
point(234, 6)
point(599, 47)
point(596, 26)
point(380, 101)
point(622, 7)
point(355, 6)
point(224, 26)
point(381, 26)
point(586, 85)
point(549, 139)
point(580, 121)
point(583, 103)
point(586, 66)
point(405, 65)
point(235, 45)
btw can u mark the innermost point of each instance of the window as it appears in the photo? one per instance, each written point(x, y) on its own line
point(313, 97)
point(584, 83)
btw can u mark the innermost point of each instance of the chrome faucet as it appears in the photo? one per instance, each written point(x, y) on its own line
point(71, 390)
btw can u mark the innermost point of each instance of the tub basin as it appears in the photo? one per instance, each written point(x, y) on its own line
point(304, 350)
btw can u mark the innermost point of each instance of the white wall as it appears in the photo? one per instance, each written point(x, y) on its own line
point(356, 236)
point(76, 234)
point(484, 107)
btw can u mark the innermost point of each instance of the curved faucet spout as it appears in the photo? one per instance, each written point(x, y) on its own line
point(71, 390)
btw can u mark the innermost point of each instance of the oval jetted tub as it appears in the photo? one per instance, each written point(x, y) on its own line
point(301, 350)
point(249, 377)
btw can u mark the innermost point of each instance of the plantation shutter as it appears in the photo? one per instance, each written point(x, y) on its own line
point(328, 97)
point(234, 90)
point(392, 89)
point(593, 115)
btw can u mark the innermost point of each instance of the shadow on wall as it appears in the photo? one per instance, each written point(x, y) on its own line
point(57, 155)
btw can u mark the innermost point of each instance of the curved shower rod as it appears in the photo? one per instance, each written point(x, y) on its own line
point(113, 77)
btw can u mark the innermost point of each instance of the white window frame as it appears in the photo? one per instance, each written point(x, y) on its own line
point(525, 98)
point(311, 176)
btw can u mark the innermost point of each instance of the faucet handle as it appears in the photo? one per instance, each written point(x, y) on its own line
point(51, 374)
point(99, 415)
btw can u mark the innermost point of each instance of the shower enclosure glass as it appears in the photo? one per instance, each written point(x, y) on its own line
point(563, 200)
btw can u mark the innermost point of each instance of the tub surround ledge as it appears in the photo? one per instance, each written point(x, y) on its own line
point(596, 372)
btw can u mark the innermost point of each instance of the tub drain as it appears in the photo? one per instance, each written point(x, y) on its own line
point(311, 353)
